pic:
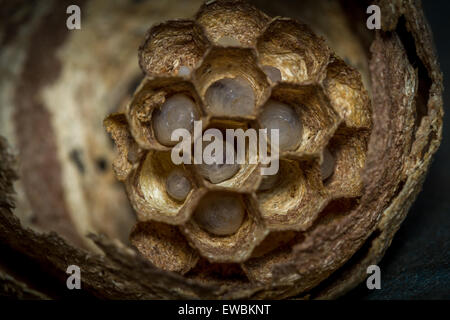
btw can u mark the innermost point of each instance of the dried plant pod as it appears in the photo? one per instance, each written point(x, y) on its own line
point(297, 231)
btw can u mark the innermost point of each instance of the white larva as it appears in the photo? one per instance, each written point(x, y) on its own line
point(184, 71)
point(230, 97)
point(274, 74)
point(268, 181)
point(220, 214)
point(178, 111)
point(277, 115)
point(328, 164)
point(178, 185)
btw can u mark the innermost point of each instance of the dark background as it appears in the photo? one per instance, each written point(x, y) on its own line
point(417, 265)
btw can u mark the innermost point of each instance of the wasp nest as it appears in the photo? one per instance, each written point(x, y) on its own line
point(345, 170)
point(236, 68)
point(350, 161)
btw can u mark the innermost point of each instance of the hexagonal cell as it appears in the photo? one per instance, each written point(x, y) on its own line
point(317, 120)
point(148, 193)
point(241, 177)
point(232, 22)
point(129, 153)
point(164, 246)
point(170, 46)
point(215, 231)
point(159, 106)
point(348, 148)
point(291, 46)
point(231, 84)
point(347, 94)
point(275, 249)
point(295, 199)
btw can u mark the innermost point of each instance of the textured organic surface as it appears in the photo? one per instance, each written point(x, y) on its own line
point(230, 96)
point(276, 115)
point(320, 108)
point(324, 115)
point(301, 237)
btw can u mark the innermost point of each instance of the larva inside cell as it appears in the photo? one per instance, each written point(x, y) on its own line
point(281, 116)
point(178, 111)
point(220, 214)
point(230, 97)
point(178, 185)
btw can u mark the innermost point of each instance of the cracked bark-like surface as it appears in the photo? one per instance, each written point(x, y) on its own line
point(59, 144)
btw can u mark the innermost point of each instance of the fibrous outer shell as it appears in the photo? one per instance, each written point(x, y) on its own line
point(327, 97)
point(389, 154)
